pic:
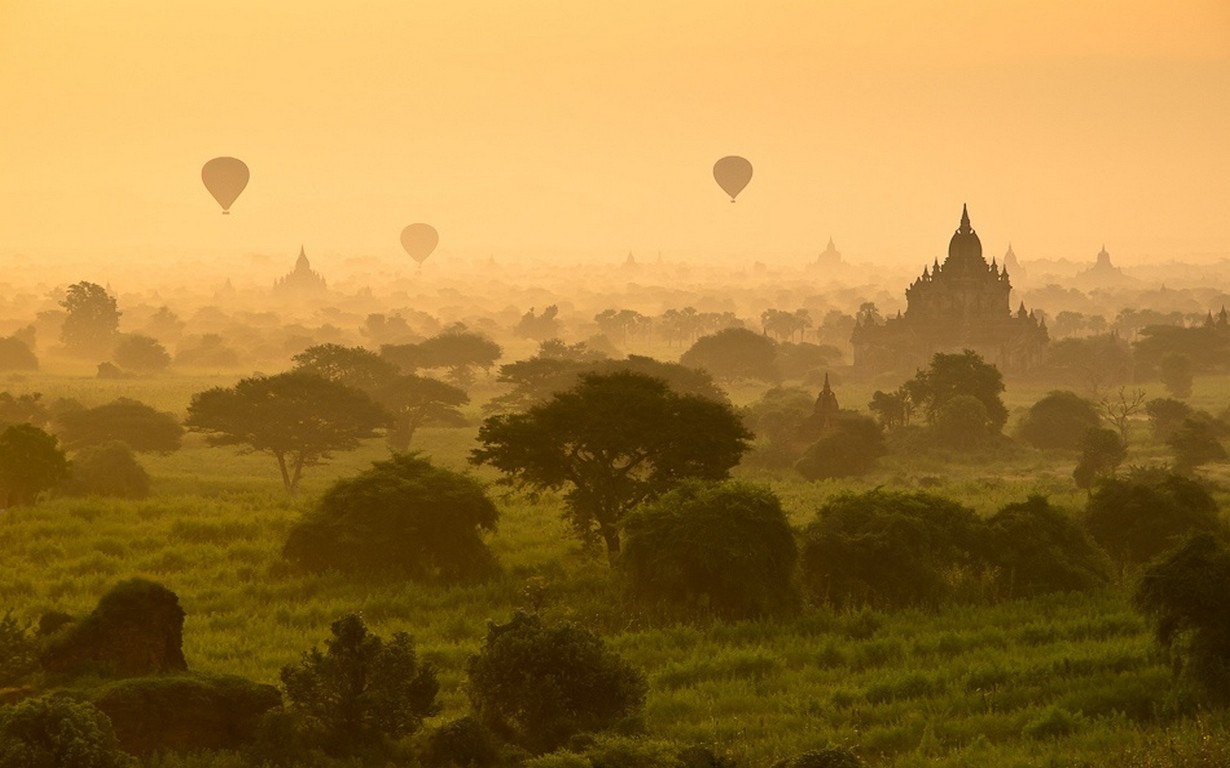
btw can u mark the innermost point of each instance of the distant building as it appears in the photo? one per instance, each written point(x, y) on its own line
point(830, 258)
point(1103, 274)
point(960, 304)
point(1011, 264)
point(300, 281)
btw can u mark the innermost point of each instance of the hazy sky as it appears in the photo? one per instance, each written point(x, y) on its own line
point(561, 126)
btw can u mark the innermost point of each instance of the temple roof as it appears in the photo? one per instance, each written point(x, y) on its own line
point(965, 249)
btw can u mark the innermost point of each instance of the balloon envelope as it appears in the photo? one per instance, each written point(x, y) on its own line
point(419, 240)
point(732, 173)
point(225, 178)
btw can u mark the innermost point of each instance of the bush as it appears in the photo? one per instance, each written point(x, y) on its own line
point(142, 354)
point(1194, 444)
point(830, 757)
point(734, 354)
point(728, 546)
point(401, 516)
point(18, 653)
point(1135, 520)
point(1187, 596)
point(16, 355)
point(1039, 549)
point(462, 743)
point(57, 732)
point(964, 423)
point(133, 422)
point(1102, 451)
point(30, 462)
point(107, 469)
point(888, 549)
point(1059, 420)
point(849, 449)
point(539, 685)
point(361, 689)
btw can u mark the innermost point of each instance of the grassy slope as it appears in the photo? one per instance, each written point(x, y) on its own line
point(1055, 681)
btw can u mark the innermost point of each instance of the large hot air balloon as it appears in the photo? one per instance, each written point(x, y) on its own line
point(225, 178)
point(732, 173)
point(419, 240)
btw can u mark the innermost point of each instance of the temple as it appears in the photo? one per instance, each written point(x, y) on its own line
point(302, 280)
point(960, 304)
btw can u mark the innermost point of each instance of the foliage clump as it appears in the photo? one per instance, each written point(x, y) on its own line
point(31, 462)
point(107, 469)
point(1039, 549)
point(361, 690)
point(538, 685)
point(1137, 518)
point(888, 549)
point(848, 449)
point(18, 651)
point(402, 516)
point(1059, 420)
point(829, 757)
point(144, 428)
point(58, 732)
point(727, 547)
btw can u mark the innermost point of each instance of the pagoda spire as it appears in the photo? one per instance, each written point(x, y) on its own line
point(965, 227)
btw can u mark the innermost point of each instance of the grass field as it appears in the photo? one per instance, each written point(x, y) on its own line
point(1070, 680)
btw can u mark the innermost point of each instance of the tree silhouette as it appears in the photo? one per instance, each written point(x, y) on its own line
point(92, 319)
point(30, 463)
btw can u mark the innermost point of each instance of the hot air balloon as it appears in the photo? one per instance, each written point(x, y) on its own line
point(225, 178)
point(732, 173)
point(419, 240)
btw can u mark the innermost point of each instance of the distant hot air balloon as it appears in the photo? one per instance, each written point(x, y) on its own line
point(732, 173)
point(225, 178)
point(419, 240)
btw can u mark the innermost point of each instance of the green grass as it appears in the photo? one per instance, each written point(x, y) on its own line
point(1070, 680)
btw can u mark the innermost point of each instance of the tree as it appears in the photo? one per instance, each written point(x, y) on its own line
point(142, 354)
point(892, 409)
point(538, 685)
point(458, 351)
point(888, 549)
point(614, 441)
point(1194, 444)
point(1167, 415)
point(1039, 549)
point(1091, 362)
point(403, 516)
point(16, 355)
point(1186, 594)
point(850, 448)
point(734, 354)
point(30, 462)
point(954, 375)
point(804, 361)
point(141, 426)
point(206, 351)
point(298, 418)
point(361, 689)
point(415, 401)
point(1059, 421)
point(539, 327)
point(25, 408)
point(92, 319)
point(622, 324)
point(728, 547)
point(776, 419)
point(1102, 451)
point(784, 325)
point(108, 469)
point(964, 423)
point(18, 651)
point(56, 732)
point(353, 366)
point(1138, 518)
point(1120, 408)
point(1176, 373)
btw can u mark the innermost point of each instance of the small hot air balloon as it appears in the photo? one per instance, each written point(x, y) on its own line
point(732, 173)
point(419, 240)
point(225, 178)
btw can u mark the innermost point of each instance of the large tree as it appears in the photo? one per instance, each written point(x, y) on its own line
point(93, 319)
point(418, 400)
point(734, 354)
point(953, 375)
point(613, 441)
point(299, 418)
point(143, 427)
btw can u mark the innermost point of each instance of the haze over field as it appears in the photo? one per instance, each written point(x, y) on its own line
point(577, 132)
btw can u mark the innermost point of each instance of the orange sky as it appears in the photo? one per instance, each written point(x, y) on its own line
point(571, 127)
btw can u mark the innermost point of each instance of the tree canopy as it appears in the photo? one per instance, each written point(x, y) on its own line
point(954, 375)
point(613, 441)
point(31, 462)
point(299, 418)
point(734, 354)
point(141, 426)
point(92, 320)
point(1059, 420)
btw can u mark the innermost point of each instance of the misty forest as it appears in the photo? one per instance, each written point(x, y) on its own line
point(647, 513)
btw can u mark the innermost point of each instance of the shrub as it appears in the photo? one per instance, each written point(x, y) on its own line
point(1102, 451)
point(55, 732)
point(16, 355)
point(402, 516)
point(107, 469)
point(963, 422)
point(1039, 549)
point(830, 757)
point(1136, 519)
point(462, 743)
point(1187, 596)
point(728, 545)
point(1166, 414)
point(30, 462)
point(539, 685)
point(361, 689)
point(884, 548)
point(1059, 420)
point(142, 354)
point(850, 448)
point(1194, 443)
point(139, 425)
point(18, 653)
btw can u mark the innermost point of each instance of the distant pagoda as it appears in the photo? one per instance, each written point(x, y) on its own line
point(300, 281)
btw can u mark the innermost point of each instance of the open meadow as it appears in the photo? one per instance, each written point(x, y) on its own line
point(1063, 680)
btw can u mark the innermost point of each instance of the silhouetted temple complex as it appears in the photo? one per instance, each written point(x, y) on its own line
point(302, 280)
point(960, 304)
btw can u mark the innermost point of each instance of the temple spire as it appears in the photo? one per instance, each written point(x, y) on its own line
point(965, 227)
